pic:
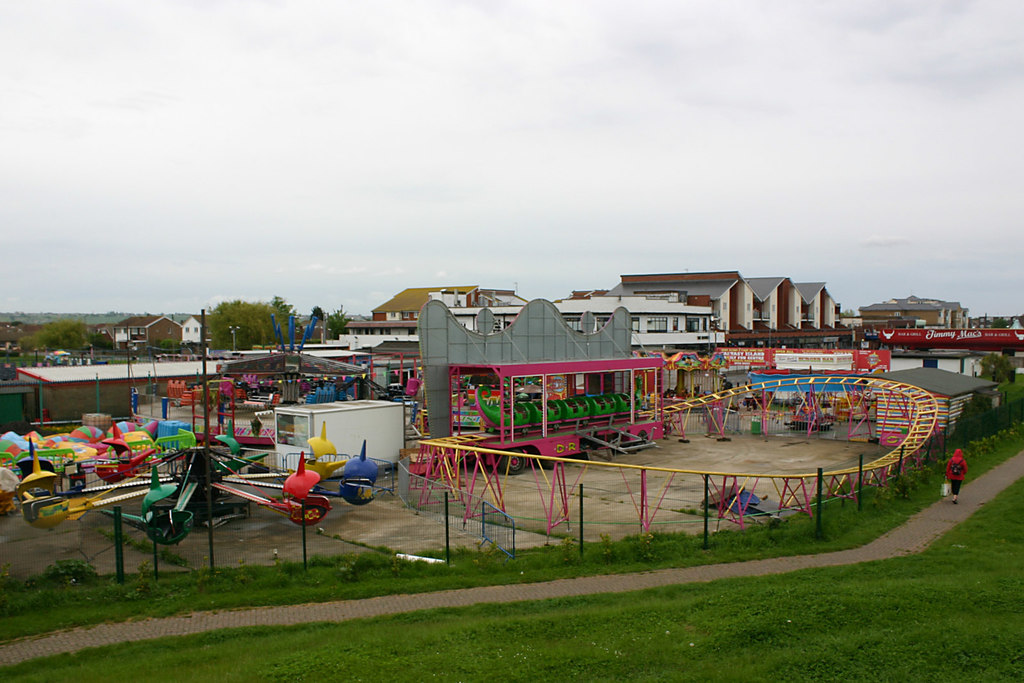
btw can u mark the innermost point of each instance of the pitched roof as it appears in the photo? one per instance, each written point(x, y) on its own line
point(413, 298)
point(764, 286)
point(141, 321)
point(809, 290)
point(912, 303)
point(936, 381)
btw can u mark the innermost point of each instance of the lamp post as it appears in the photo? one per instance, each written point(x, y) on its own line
point(233, 329)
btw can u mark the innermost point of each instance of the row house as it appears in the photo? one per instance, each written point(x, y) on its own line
point(766, 311)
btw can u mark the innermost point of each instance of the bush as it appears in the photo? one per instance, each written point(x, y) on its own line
point(70, 572)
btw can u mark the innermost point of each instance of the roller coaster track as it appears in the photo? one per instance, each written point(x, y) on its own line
point(454, 464)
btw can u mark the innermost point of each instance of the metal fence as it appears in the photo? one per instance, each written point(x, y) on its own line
point(970, 428)
point(409, 514)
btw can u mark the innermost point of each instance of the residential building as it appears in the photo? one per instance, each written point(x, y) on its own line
point(396, 319)
point(986, 321)
point(919, 311)
point(191, 331)
point(659, 320)
point(766, 311)
point(144, 330)
point(726, 292)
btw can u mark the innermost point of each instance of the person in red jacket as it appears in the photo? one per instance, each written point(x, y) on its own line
point(956, 470)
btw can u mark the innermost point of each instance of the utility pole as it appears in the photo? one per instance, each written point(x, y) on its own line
point(233, 329)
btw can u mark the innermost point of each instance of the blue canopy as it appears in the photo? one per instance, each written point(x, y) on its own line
point(801, 383)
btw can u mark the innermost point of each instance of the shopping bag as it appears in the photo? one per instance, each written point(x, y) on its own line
point(945, 489)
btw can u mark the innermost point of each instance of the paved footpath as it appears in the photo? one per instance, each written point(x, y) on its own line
point(913, 537)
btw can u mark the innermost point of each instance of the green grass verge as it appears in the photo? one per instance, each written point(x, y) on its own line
point(67, 597)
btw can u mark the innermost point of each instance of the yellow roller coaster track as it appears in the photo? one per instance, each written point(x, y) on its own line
point(922, 418)
point(448, 459)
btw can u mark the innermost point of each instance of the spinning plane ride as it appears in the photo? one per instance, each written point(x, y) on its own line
point(182, 488)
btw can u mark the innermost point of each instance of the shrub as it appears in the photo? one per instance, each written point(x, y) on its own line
point(70, 572)
point(570, 551)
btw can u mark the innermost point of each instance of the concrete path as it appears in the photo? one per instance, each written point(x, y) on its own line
point(913, 537)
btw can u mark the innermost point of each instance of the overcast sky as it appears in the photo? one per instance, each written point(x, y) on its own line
point(165, 156)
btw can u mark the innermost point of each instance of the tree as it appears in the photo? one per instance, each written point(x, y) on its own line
point(282, 310)
point(998, 367)
point(1000, 323)
point(337, 323)
point(978, 405)
point(251, 320)
point(71, 334)
point(321, 318)
point(100, 340)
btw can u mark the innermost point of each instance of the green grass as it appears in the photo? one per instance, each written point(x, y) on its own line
point(951, 613)
point(1014, 391)
point(64, 599)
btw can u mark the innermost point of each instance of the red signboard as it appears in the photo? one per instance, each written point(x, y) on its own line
point(978, 340)
point(810, 359)
point(744, 356)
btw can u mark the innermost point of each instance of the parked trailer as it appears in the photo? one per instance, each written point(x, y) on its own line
point(559, 408)
point(380, 423)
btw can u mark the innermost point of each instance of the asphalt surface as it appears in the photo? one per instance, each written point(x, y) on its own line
point(913, 537)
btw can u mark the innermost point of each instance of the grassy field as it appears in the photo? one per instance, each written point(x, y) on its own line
point(952, 612)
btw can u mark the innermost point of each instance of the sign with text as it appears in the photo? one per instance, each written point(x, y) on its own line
point(862, 360)
point(979, 340)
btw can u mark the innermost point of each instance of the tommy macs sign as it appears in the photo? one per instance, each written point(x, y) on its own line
point(979, 340)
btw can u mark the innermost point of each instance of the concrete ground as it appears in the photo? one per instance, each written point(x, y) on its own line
point(609, 501)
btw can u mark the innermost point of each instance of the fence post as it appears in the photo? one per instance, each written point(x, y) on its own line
point(156, 570)
point(706, 511)
point(860, 482)
point(118, 547)
point(817, 525)
point(304, 565)
point(581, 521)
point(447, 533)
